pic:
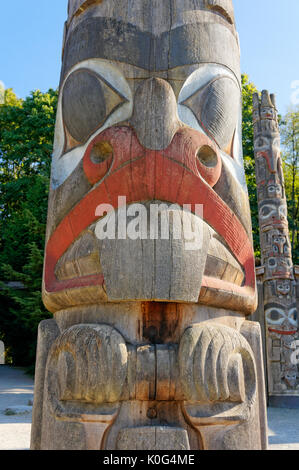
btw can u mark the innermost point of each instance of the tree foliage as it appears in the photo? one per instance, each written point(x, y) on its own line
point(289, 126)
point(26, 139)
point(290, 141)
point(248, 89)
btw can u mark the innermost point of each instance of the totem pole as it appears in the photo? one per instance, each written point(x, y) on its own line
point(279, 285)
point(150, 346)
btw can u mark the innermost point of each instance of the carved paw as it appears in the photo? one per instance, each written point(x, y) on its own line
point(216, 365)
point(88, 363)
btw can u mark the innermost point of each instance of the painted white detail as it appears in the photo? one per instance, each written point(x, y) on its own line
point(238, 160)
point(186, 116)
point(203, 75)
point(64, 164)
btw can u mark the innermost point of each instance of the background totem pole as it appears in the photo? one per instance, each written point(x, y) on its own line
point(150, 346)
point(279, 286)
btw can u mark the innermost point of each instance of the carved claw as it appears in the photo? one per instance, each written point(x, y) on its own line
point(216, 365)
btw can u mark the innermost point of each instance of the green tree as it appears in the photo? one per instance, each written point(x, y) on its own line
point(290, 151)
point(26, 139)
point(290, 141)
point(248, 88)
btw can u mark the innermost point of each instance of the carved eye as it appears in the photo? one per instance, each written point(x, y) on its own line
point(293, 317)
point(262, 142)
point(216, 107)
point(267, 211)
point(274, 189)
point(87, 101)
point(272, 262)
point(275, 316)
point(283, 288)
point(267, 113)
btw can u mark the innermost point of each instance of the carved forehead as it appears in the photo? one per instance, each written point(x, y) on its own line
point(152, 34)
point(154, 15)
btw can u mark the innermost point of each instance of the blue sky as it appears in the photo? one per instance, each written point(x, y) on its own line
point(31, 38)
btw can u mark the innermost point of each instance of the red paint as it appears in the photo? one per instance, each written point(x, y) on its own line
point(281, 332)
point(282, 274)
point(266, 156)
point(95, 171)
point(171, 175)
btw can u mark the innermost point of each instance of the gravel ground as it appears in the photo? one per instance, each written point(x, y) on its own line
point(283, 429)
point(16, 397)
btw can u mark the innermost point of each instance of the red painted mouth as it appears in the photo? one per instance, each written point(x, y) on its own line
point(282, 332)
point(284, 273)
point(174, 175)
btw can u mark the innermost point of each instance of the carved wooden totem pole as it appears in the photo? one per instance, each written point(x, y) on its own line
point(279, 285)
point(150, 346)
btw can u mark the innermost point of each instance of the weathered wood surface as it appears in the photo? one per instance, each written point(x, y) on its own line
point(149, 113)
point(279, 283)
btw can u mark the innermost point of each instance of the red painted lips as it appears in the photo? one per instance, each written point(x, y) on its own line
point(184, 173)
point(282, 332)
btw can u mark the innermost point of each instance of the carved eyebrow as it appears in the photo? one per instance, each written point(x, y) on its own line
point(84, 6)
point(210, 82)
point(274, 305)
point(221, 11)
point(210, 5)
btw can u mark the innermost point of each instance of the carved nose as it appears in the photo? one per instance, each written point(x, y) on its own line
point(155, 117)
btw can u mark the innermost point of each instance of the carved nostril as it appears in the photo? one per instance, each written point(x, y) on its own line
point(101, 152)
point(207, 156)
point(209, 164)
point(97, 160)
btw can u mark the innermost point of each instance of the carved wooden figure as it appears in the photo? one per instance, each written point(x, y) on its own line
point(279, 292)
point(150, 346)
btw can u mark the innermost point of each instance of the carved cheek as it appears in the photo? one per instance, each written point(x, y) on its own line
point(283, 212)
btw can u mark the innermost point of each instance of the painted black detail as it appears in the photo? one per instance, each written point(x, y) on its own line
point(100, 38)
